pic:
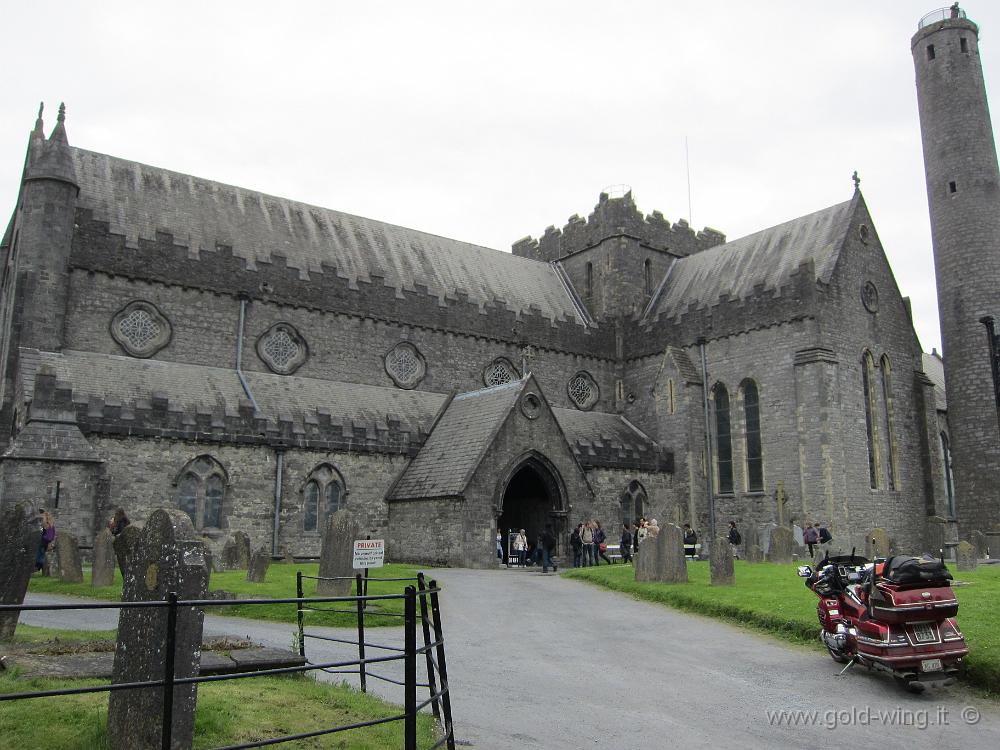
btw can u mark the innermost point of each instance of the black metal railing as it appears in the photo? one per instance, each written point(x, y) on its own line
point(941, 14)
point(426, 593)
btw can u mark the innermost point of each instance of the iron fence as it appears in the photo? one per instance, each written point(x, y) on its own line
point(426, 593)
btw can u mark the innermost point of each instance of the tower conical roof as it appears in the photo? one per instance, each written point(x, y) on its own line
point(55, 161)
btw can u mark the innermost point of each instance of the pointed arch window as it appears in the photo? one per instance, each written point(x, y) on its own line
point(590, 279)
point(754, 452)
point(871, 427)
point(647, 268)
point(201, 491)
point(723, 440)
point(322, 496)
point(633, 502)
point(890, 428)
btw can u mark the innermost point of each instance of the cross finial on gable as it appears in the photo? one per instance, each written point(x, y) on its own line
point(857, 180)
point(527, 354)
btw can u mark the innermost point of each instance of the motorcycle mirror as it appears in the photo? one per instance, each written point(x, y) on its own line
point(805, 571)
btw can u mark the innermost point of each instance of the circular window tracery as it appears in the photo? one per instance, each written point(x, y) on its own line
point(405, 365)
point(500, 372)
point(282, 349)
point(140, 328)
point(531, 405)
point(869, 297)
point(583, 390)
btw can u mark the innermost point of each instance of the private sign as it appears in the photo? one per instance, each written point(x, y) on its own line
point(369, 553)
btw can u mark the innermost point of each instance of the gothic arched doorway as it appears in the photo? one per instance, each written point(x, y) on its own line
point(531, 496)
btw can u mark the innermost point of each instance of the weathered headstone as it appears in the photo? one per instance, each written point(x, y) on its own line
point(20, 537)
point(981, 543)
point(671, 566)
point(877, 543)
point(799, 535)
point(167, 558)
point(209, 563)
point(69, 566)
point(260, 561)
point(780, 548)
point(645, 562)
point(764, 536)
point(965, 556)
point(722, 567)
point(236, 552)
point(752, 552)
point(103, 571)
point(124, 545)
point(289, 557)
point(936, 534)
point(337, 554)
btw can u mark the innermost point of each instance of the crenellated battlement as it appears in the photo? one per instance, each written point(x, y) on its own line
point(614, 217)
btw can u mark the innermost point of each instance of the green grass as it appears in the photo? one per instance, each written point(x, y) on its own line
point(228, 713)
point(772, 598)
point(35, 634)
point(279, 584)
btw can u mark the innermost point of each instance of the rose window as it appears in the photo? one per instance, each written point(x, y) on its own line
point(583, 391)
point(405, 365)
point(499, 372)
point(140, 329)
point(282, 349)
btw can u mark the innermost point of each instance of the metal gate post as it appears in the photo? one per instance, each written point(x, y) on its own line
point(362, 667)
point(298, 613)
point(166, 731)
point(442, 667)
point(410, 663)
point(425, 623)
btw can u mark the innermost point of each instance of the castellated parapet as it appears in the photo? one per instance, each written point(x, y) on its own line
point(615, 217)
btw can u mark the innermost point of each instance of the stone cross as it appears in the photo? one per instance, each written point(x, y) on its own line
point(168, 557)
point(20, 537)
point(527, 354)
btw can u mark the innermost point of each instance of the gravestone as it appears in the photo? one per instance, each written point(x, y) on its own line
point(936, 534)
point(645, 562)
point(671, 566)
point(124, 545)
point(799, 535)
point(69, 566)
point(259, 563)
point(981, 543)
point(337, 554)
point(168, 557)
point(20, 537)
point(209, 562)
point(764, 537)
point(877, 543)
point(965, 556)
point(780, 547)
point(722, 567)
point(103, 571)
point(752, 552)
point(289, 558)
point(236, 552)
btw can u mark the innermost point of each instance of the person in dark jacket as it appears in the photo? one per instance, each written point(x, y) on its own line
point(546, 548)
point(690, 541)
point(576, 542)
point(625, 545)
point(735, 539)
point(600, 544)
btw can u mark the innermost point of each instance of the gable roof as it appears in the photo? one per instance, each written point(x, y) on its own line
point(767, 258)
point(609, 440)
point(138, 200)
point(457, 443)
point(45, 440)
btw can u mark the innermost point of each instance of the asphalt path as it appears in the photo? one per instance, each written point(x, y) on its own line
point(537, 661)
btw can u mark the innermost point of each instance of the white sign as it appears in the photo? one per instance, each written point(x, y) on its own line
point(369, 553)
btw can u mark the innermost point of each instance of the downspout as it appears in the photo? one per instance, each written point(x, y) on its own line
point(279, 456)
point(239, 354)
point(709, 479)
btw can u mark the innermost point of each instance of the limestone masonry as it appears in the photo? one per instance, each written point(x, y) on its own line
point(260, 364)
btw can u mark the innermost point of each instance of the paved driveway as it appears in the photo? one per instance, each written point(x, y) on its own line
point(542, 662)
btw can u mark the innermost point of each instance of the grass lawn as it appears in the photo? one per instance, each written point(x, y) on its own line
point(772, 598)
point(245, 710)
point(279, 584)
point(34, 634)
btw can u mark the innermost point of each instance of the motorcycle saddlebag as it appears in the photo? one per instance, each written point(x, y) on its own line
point(894, 604)
point(904, 570)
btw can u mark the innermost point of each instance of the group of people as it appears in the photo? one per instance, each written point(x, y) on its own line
point(541, 553)
point(47, 524)
point(814, 536)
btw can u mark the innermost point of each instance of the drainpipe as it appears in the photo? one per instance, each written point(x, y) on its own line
point(279, 456)
point(239, 354)
point(709, 480)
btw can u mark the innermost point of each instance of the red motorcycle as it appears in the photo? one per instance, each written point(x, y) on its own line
point(895, 616)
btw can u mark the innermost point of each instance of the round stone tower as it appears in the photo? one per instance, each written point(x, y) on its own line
point(963, 191)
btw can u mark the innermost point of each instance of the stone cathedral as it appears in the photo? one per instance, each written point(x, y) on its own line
point(260, 363)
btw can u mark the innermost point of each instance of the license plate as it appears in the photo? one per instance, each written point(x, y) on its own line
point(930, 665)
point(924, 632)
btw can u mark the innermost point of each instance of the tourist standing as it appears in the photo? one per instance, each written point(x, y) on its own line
point(625, 545)
point(500, 547)
point(825, 537)
point(640, 533)
point(587, 537)
point(690, 541)
point(652, 529)
point(547, 546)
point(735, 540)
point(48, 535)
point(600, 544)
point(521, 547)
point(576, 544)
point(810, 537)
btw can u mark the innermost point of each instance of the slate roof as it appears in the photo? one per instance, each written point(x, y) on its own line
point(126, 380)
point(138, 200)
point(600, 439)
point(767, 258)
point(457, 444)
point(934, 369)
point(42, 440)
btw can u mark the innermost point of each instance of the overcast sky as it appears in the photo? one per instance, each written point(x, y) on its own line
point(487, 122)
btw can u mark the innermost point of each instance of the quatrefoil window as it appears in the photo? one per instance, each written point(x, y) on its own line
point(140, 329)
point(282, 348)
point(583, 390)
point(499, 372)
point(405, 365)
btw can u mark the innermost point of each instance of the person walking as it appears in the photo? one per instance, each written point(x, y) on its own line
point(547, 546)
point(48, 535)
point(600, 544)
point(521, 547)
point(587, 537)
point(735, 540)
point(810, 537)
point(825, 537)
point(625, 545)
point(576, 544)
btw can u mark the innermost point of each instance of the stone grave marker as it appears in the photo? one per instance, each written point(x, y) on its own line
point(337, 554)
point(260, 561)
point(780, 548)
point(722, 567)
point(752, 552)
point(936, 534)
point(168, 556)
point(209, 562)
point(645, 561)
point(877, 542)
point(981, 543)
point(124, 545)
point(965, 556)
point(103, 571)
point(20, 537)
point(69, 566)
point(671, 566)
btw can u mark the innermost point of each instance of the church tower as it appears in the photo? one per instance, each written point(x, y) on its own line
point(963, 192)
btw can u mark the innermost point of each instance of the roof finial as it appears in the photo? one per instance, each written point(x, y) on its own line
point(41, 109)
point(857, 180)
point(39, 131)
point(62, 113)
